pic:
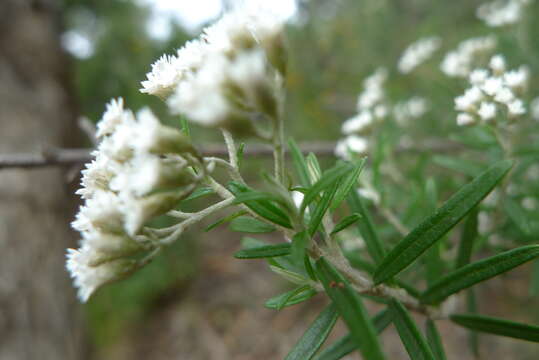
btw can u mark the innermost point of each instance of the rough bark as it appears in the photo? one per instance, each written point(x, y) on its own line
point(37, 316)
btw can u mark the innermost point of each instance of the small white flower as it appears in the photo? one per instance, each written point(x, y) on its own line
point(492, 86)
point(478, 76)
point(517, 79)
point(516, 108)
point(201, 97)
point(89, 278)
point(359, 123)
point(113, 116)
point(497, 64)
point(465, 119)
point(351, 144)
point(487, 111)
point(501, 12)
point(163, 78)
point(102, 211)
point(504, 96)
point(96, 176)
point(417, 53)
point(460, 62)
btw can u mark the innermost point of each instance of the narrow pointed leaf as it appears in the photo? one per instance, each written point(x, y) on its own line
point(299, 243)
point(309, 267)
point(299, 163)
point(290, 298)
point(351, 309)
point(348, 184)
point(413, 341)
point(328, 178)
point(498, 326)
point(261, 203)
point(467, 239)
point(366, 227)
point(315, 336)
point(225, 219)
point(478, 271)
point(438, 224)
point(321, 208)
point(200, 192)
point(434, 340)
point(345, 345)
point(346, 222)
point(250, 225)
point(264, 251)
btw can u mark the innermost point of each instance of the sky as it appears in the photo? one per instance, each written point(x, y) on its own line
point(192, 14)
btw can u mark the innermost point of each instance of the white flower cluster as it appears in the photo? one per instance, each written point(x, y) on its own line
point(413, 108)
point(460, 62)
point(417, 53)
point(502, 12)
point(492, 90)
point(140, 171)
point(234, 68)
point(372, 108)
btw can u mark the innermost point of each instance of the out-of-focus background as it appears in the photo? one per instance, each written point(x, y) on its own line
point(62, 60)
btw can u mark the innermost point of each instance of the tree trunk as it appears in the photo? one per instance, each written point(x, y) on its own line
point(37, 303)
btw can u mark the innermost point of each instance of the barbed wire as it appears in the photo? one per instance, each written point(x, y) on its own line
point(67, 157)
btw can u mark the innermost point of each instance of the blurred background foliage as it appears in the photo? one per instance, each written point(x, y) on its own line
point(333, 46)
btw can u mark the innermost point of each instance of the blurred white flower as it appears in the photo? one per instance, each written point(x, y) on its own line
point(417, 53)
point(460, 62)
point(502, 12)
point(352, 144)
point(487, 111)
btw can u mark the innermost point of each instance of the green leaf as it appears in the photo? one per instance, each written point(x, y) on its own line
point(438, 224)
point(299, 243)
point(328, 178)
point(348, 184)
point(517, 215)
point(309, 267)
point(366, 227)
point(321, 208)
point(315, 336)
point(200, 192)
point(299, 163)
point(185, 127)
point(289, 275)
point(351, 309)
point(313, 167)
point(239, 153)
point(290, 298)
point(413, 341)
point(469, 234)
point(534, 283)
point(346, 222)
point(434, 340)
point(497, 326)
point(345, 345)
point(260, 203)
point(225, 219)
point(250, 225)
point(458, 164)
point(478, 271)
point(264, 251)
